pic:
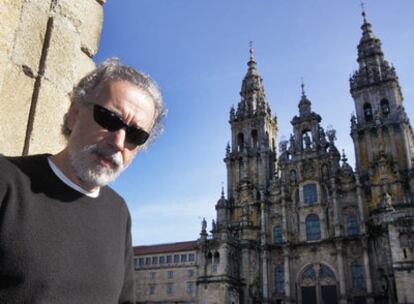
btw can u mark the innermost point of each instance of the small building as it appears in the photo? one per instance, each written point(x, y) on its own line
point(166, 273)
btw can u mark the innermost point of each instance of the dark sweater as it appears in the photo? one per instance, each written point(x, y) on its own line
point(58, 245)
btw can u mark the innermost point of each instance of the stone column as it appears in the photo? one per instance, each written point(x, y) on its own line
point(342, 286)
point(335, 207)
point(317, 268)
point(407, 149)
point(360, 204)
point(286, 253)
point(284, 220)
point(368, 281)
point(265, 280)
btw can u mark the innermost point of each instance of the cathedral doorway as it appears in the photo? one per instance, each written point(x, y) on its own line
point(318, 285)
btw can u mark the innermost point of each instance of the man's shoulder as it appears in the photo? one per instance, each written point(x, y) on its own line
point(110, 195)
point(10, 164)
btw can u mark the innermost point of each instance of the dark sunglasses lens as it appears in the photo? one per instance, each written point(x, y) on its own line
point(106, 119)
point(111, 122)
point(136, 136)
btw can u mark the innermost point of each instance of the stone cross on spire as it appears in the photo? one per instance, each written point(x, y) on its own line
point(302, 85)
point(251, 50)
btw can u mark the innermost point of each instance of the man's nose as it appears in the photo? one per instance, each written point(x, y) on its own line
point(118, 139)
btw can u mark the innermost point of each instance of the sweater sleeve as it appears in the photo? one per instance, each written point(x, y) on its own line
point(128, 290)
point(4, 185)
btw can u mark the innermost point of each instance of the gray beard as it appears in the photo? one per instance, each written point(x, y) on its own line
point(92, 174)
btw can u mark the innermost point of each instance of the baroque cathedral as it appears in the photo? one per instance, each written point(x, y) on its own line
point(301, 225)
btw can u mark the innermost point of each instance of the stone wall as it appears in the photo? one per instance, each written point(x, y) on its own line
point(46, 46)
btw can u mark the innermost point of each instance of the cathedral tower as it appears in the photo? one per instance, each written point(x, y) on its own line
point(251, 158)
point(381, 131)
point(384, 150)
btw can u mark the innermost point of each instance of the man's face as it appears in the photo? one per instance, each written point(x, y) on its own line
point(98, 156)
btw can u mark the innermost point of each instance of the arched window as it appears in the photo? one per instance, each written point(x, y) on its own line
point(254, 138)
point(280, 279)
point(293, 177)
point(352, 225)
point(297, 197)
point(357, 272)
point(216, 262)
point(309, 273)
point(310, 194)
point(313, 228)
point(277, 235)
point(240, 142)
point(306, 139)
point(385, 107)
point(368, 112)
point(326, 272)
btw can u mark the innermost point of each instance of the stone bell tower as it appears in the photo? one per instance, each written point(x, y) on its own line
point(384, 150)
point(251, 157)
point(381, 131)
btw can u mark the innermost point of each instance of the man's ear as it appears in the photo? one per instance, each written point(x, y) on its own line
point(72, 115)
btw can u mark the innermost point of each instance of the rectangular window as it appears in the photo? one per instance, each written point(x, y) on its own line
point(169, 259)
point(141, 262)
point(214, 267)
point(191, 257)
point(183, 258)
point(147, 261)
point(152, 289)
point(176, 258)
point(190, 273)
point(169, 288)
point(154, 260)
point(280, 280)
point(310, 196)
point(152, 275)
point(277, 235)
point(190, 288)
point(162, 259)
point(170, 274)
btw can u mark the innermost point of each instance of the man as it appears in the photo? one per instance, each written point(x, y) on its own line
point(64, 235)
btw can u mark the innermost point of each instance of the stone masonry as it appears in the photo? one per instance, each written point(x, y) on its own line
point(46, 46)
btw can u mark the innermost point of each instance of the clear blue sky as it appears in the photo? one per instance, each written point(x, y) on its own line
point(197, 51)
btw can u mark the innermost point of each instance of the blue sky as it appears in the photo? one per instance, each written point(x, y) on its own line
point(197, 52)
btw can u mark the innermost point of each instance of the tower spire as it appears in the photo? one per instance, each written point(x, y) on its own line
point(373, 68)
point(253, 96)
point(251, 50)
point(363, 11)
point(302, 85)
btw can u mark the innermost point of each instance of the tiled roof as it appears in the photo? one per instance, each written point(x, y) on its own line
point(164, 248)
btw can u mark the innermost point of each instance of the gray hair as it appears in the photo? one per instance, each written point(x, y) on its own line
point(113, 69)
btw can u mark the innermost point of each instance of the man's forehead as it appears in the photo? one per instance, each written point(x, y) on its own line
point(131, 102)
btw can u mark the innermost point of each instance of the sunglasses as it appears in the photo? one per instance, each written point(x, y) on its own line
point(112, 122)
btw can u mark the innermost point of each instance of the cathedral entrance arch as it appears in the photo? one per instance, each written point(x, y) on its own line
point(317, 285)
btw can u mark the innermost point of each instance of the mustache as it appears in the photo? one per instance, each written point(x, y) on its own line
point(109, 153)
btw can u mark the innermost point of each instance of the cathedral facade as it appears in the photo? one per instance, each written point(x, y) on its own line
point(299, 224)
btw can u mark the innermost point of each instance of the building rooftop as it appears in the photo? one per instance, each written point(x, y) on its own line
point(163, 248)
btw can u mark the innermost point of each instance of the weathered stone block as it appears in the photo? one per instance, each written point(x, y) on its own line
point(16, 94)
point(30, 34)
point(10, 18)
point(86, 16)
point(51, 106)
point(63, 49)
point(83, 66)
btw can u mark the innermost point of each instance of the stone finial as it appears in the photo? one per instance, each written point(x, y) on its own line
point(204, 226)
point(331, 133)
point(251, 50)
point(228, 149)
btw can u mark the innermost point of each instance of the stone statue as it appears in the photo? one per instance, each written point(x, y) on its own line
point(203, 225)
point(307, 140)
point(387, 201)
